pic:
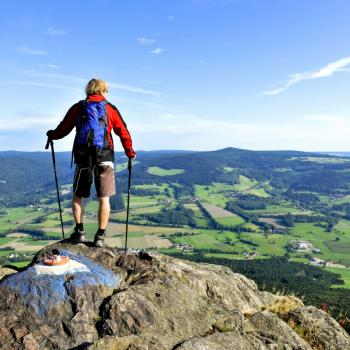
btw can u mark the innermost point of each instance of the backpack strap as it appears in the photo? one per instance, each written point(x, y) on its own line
point(81, 104)
point(105, 118)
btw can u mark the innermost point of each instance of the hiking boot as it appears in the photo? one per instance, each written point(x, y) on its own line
point(78, 236)
point(98, 241)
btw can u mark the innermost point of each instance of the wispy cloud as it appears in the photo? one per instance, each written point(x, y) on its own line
point(157, 51)
point(29, 51)
point(326, 71)
point(134, 89)
point(29, 122)
point(327, 118)
point(43, 84)
point(52, 31)
point(49, 65)
point(77, 80)
point(146, 41)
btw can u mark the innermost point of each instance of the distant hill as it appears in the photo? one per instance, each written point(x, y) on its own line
point(24, 173)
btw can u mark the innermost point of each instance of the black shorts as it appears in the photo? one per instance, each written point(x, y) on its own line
point(103, 177)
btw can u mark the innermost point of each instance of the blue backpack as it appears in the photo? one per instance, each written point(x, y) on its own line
point(91, 144)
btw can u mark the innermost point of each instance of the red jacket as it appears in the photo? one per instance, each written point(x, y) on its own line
point(114, 120)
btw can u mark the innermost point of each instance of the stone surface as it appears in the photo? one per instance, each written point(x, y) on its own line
point(272, 330)
point(318, 328)
point(223, 341)
point(47, 310)
point(153, 302)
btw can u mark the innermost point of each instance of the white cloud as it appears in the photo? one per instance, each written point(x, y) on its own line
point(146, 41)
point(326, 71)
point(52, 31)
point(29, 51)
point(157, 51)
point(49, 65)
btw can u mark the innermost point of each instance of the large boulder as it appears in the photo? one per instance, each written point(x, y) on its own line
point(104, 299)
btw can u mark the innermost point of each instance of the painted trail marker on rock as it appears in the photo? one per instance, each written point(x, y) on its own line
point(44, 287)
point(72, 267)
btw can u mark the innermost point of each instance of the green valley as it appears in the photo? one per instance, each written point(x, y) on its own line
point(229, 204)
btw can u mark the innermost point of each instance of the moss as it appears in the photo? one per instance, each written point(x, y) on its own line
point(283, 305)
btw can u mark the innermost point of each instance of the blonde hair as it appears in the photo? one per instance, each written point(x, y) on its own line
point(96, 86)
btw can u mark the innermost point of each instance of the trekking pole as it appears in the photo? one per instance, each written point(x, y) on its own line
point(50, 143)
point(128, 204)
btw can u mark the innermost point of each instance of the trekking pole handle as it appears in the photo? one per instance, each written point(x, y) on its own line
point(130, 163)
point(48, 143)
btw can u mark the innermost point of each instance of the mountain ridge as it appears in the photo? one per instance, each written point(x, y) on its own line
point(202, 167)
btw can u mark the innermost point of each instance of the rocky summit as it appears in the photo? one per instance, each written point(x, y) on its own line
point(105, 299)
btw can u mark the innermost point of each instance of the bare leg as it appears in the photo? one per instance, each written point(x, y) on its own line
point(78, 209)
point(103, 212)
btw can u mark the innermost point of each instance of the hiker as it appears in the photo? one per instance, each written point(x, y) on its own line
point(93, 151)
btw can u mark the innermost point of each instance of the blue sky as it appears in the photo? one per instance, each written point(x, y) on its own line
point(185, 74)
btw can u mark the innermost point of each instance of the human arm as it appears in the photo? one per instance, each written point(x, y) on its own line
point(66, 125)
point(120, 128)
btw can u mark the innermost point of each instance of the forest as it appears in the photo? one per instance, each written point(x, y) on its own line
point(297, 174)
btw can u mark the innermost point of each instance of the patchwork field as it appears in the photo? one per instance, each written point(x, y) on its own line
point(219, 193)
point(223, 216)
point(6, 240)
point(204, 240)
point(26, 246)
point(345, 274)
point(341, 246)
point(244, 236)
point(272, 221)
point(200, 219)
point(164, 172)
point(17, 216)
point(213, 194)
point(217, 212)
point(140, 242)
point(280, 209)
point(343, 226)
point(17, 235)
point(273, 244)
